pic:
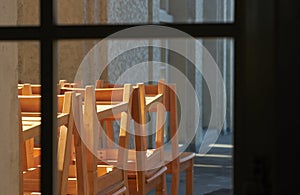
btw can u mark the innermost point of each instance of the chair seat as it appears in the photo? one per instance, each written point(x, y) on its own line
point(185, 161)
point(150, 174)
point(183, 157)
point(109, 156)
point(155, 165)
point(32, 183)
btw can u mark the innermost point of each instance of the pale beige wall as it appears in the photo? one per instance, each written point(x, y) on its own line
point(9, 145)
point(71, 52)
point(29, 51)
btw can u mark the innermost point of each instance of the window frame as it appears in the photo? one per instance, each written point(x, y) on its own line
point(48, 33)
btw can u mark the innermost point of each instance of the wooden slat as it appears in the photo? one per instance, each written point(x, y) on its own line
point(105, 111)
point(31, 131)
point(63, 119)
point(107, 180)
point(109, 94)
point(152, 100)
point(64, 145)
point(30, 103)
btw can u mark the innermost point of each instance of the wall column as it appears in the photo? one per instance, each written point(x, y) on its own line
point(9, 140)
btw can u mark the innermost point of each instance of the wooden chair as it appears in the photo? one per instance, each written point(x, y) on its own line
point(140, 180)
point(104, 178)
point(150, 170)
point(143, 180)
point(31, 177)
point(176, 163)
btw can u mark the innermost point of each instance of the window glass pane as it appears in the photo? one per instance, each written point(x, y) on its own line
point(20, 13)
point(203, 66)
point(27, 12)
point(29, 62)
point(144, 12)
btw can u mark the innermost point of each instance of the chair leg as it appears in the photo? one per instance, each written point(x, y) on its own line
point(161, 189)
point(110, 133)
point(189, 179)
point(175, 182)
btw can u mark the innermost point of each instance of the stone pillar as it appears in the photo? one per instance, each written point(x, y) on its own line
point(190, 12)
point(9, 139)
point(118, 12)
point(230, 85)
point(222, 52)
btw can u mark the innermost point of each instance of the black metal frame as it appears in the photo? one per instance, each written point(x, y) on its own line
point(48, 33)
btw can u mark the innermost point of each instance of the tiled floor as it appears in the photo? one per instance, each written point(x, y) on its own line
point(212, 172)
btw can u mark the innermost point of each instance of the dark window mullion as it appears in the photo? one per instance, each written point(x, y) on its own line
point(102, 31)
point(49, 102)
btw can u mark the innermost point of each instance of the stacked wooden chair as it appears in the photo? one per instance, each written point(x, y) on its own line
point(147, 170)
point(175, 161)
point(141, 177)
point(105, 178)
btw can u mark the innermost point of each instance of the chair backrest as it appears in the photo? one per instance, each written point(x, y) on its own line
point(102, 95)
point(172, 101)
point(64, 83)
point(29, 89)
point(65, 140)
point(32, 103)
point(147, 160)
point(115, 180)
point(144, 91)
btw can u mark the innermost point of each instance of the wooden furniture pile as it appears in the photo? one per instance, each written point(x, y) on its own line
point(91, 158)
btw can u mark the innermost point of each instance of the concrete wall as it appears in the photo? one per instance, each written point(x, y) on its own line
point(9, 141)
point(28, 51)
